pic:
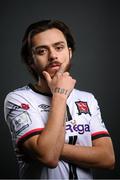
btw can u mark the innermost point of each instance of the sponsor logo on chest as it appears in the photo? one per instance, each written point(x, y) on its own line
point(76, 127)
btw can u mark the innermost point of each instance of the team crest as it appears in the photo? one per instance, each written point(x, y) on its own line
point(82, 107)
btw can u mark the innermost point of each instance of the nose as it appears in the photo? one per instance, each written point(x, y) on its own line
point(52, 55)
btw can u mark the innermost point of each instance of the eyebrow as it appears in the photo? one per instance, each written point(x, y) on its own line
point(45, 46)
point(60, 42)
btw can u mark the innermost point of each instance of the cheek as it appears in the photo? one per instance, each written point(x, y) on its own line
point(66, 58)
point(40, 63)
point(64, 55)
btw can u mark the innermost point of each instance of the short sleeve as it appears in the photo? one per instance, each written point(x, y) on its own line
point(22, 117)
point(98, 128)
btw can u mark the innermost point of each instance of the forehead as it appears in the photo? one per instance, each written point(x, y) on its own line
point(48, 37)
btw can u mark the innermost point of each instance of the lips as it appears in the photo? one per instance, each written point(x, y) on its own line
point(53, 66)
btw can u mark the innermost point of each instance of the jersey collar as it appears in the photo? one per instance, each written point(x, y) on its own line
point(35, 90)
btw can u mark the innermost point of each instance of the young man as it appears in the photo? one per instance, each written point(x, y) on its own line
point(57, 130)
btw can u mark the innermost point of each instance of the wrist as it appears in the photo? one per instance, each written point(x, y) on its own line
point(60, 97)
point(61, 91)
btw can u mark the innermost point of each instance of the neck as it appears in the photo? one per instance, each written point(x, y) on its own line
point(42, 86)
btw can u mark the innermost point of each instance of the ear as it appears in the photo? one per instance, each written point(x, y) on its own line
point(70, 52)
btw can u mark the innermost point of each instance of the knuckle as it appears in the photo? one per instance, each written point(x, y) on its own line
point(67, 73)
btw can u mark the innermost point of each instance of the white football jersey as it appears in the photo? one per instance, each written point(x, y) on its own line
point(26, 113)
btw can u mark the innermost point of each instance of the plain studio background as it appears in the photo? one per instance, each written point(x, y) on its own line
point(96, 27)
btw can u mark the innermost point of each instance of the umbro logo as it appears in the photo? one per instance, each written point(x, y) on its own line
point(44, 107)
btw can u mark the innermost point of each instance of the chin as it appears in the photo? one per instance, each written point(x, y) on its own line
point(52, 74)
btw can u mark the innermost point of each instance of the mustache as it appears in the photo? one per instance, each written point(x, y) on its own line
point(54, 63)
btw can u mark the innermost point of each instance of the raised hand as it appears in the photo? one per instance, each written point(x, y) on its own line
point(61, 83)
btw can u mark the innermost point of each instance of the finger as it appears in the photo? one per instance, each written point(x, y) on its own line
point(74, 81)
point(47, 76)
point(66, 73)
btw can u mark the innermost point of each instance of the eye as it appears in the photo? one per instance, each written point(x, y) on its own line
point(40, 51)
point(59, 47)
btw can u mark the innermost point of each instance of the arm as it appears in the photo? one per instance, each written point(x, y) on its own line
point(47, 146)
point(100, 155)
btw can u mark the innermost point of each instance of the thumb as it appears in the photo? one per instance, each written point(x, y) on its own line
point(47, 76)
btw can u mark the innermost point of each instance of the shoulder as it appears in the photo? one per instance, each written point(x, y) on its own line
point(83, 94)
point(18, 92)
point(18, 95)
point(25, 95)
point(83, 97)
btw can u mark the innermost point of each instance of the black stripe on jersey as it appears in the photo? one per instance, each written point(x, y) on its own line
point(68, 113)
point(72, 141)
point(72, 172)
point(72, 167)
point(99, 136)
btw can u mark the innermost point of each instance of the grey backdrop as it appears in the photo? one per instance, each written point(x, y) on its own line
point(96, 26)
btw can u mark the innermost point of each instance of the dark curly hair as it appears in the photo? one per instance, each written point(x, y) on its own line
point(32, 30)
